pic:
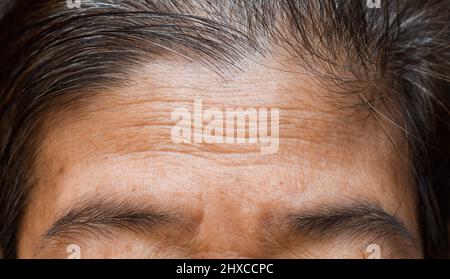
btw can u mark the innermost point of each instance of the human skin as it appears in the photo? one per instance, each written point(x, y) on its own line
point(229, 200)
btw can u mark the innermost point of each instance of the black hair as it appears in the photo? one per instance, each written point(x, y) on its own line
point(51, 55)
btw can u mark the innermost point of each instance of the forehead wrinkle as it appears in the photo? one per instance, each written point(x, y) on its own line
point(151, 132)
point(132, 129)
point(137, 120)
point(158, 89)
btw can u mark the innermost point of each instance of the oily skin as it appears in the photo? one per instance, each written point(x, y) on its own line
point(118, 146)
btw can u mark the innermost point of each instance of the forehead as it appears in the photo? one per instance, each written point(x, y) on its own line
point(309, 112)
point(121, 140)
point(118, 144)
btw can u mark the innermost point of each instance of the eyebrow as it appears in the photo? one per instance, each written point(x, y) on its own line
point(102, 217)
point(358, 220)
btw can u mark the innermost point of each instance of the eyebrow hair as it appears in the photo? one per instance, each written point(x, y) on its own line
point(358, 220)
point(103, 216)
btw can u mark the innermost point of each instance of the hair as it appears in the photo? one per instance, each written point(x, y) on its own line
point(52, 55)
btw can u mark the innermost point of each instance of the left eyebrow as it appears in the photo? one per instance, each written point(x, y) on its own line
point(95, 217)
point(359, 220)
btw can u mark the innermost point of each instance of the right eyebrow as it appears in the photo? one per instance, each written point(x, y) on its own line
point(102, 217)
